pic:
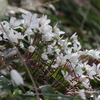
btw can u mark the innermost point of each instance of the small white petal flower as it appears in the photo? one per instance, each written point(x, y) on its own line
point(44, 56)
point(57, 32)
point(14, 23)
point(28, 18)
point(47, 37)
point(61, 60)
point(73, 58)
point(74, 38)
point(90, 71)
point(77, 45)
point(66, 76)
point(13, 36)
point(54, 66)
point(82, 94)
point(16, 77)
point(21, 45)
point(85, 81)
point(78, 70)
point(44, 29)
point(64, 43)
point(85, 85)
point(44, 20)
point(31, 48)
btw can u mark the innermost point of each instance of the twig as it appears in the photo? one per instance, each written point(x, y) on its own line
point(36, 90)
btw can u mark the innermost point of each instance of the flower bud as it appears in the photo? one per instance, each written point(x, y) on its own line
point(16, 77)
point(44, 56)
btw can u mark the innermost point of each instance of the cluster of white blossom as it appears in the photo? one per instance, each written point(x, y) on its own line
point(54, 44)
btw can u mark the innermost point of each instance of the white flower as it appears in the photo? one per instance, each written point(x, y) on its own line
point(61, 60)
point(53, 50)
point(47, 37)
point(57, 32)
point(96, 68)
point(95, 54)
point(28, 31)
point(31, 48)
point(14, 36)
point(78, 70)
point(73, 58)
point(44, 29)
point(75, 41)
point(18, 35)
point(34, 24)
point(14, 23)
point(76, 47)
point(49, 49)
point(44, 56)
point(74, 38)
point(64, 43)
point(85, 85)
point(85, 81)
point(44, 20)
point(16, 77)
point(54, 66)
point(28, 18)
point(30, 22)
point(21, 45)
point(66, 75)
point(82, 94)
point(90, 71)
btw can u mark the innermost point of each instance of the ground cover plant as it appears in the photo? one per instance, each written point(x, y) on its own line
point(38, 62)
